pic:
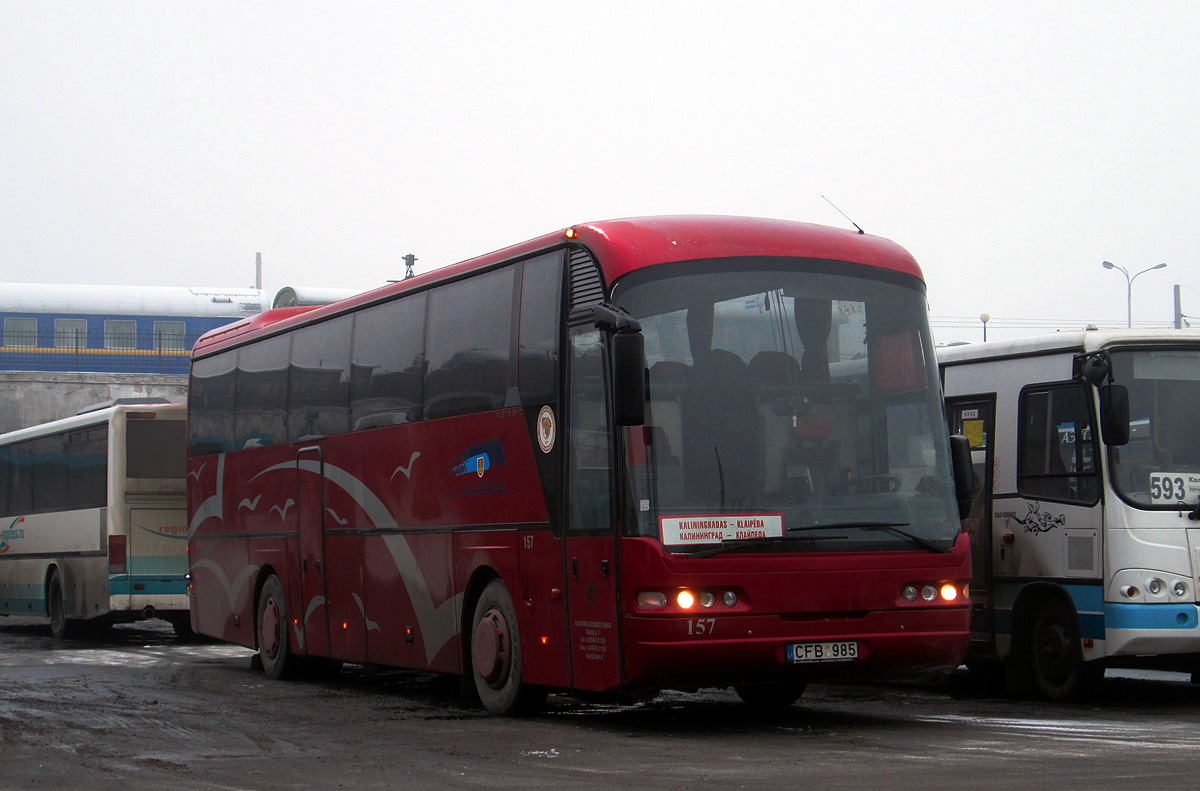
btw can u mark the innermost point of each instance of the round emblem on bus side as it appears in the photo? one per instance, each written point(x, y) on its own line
point(546, 429)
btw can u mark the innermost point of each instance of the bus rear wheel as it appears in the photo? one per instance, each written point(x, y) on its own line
point(496, 655)
point(274, 643)
point(60, 627)
point(770, 696)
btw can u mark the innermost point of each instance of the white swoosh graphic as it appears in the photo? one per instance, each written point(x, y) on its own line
point(371, 625)
point(212, 507)
point(336, 518)
point(248, 503)
point(438, 623)
point(196, 474)
point(233, 590)
point(407, 470)
point(283, 509)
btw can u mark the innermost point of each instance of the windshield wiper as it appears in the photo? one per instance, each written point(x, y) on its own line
point(887, 527)
point(765, 542)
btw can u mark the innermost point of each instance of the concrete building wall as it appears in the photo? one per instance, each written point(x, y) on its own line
point(30, 398)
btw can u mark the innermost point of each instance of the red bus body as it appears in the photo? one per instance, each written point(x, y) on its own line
point(383, 538)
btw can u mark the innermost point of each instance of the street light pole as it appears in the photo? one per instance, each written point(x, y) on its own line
point(984, 317)
point(1129, 286)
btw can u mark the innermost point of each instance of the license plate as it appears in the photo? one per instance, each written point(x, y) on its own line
point(844, 651)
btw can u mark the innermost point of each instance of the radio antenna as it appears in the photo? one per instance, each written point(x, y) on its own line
point(839, 211)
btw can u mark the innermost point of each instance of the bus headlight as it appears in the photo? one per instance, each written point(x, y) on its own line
point(1179, 589)
point(929, 593)
point(949, 592)
point(652, 600)
point(685, 600)
point(909, 593)
point(707, 599)
point(729, 599)
point(1155, 586)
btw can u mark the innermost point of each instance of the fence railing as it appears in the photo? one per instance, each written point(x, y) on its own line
point(76, 350)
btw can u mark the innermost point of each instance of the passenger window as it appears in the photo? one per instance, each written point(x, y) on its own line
point(541, 300)
point(388, 369)
point(70, 333)
point(211, 404)
point(469, 345)
point(20, 331)
point(1057, 446)
point(319, 380)
point(260, 411)
point(120, 334)
point(170, 336)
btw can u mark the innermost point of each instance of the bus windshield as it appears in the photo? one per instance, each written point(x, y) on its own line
point(1161, 464)
point(793, 406)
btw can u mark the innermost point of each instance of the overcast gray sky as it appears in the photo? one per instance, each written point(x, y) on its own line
point(1011, 147)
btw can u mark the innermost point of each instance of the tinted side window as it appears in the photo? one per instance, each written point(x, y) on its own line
point(20, 482)
point(388, 368)
point(541, 300)
point(1057, 445)
point(260, 411)
point(210, 404)
point(88, 477)
point(319, 380)
point(468, 343)
point(49, 473)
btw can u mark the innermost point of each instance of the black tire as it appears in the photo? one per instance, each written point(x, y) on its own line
point(60, 627)
point(1053, 654)
point(770, 696)
point(496, 655)
point(273, 632)
point(182, 624)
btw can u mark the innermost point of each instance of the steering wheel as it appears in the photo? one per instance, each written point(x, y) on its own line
point(892, 483)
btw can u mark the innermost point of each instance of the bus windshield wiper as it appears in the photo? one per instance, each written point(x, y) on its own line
point(761, 543)
point(887, 527)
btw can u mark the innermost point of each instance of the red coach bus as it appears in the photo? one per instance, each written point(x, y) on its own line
point(655, 453)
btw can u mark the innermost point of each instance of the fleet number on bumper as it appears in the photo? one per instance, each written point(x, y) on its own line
point(845, 651)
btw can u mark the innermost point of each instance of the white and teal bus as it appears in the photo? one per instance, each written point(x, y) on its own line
point(1085, 527)
point(93, 519)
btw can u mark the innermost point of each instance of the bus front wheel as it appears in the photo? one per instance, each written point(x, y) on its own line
point(1054, 657)
point(770, 696)
point(274, 644)
point(496, 654)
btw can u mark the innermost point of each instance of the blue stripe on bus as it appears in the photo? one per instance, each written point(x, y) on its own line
point(1152, 616)
point(1088, 601)
point(123, 586)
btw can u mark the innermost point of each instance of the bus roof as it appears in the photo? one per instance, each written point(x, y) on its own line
point(1076, 341)
point(623, 245)
point(92, 418)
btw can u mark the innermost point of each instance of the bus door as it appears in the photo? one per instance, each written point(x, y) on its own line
point(974, 417)
point(592, 607)
point(312, 634)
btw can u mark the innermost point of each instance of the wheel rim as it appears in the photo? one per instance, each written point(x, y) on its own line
point(269, 637)
point(492, 648)
point(1053, 652)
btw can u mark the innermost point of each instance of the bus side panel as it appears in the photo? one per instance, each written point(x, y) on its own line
point(74, 540)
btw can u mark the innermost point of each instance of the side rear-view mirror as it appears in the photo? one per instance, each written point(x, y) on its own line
point(1114, 414)
point(629, 378)
point(964, 473)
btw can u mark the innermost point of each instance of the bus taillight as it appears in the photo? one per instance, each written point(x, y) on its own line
point(117, 562)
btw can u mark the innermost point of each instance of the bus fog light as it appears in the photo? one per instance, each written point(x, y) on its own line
point(929, 593)
point(1130, 592)
point(652, 600)
point(949, 592)
point(1155, 586)
point(729, 599)
point(909, 593)
point(707, 599)
point(685, 600)
point(1179, 588)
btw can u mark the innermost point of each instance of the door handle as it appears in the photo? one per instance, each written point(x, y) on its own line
point(604, 568)
point(575, 568)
